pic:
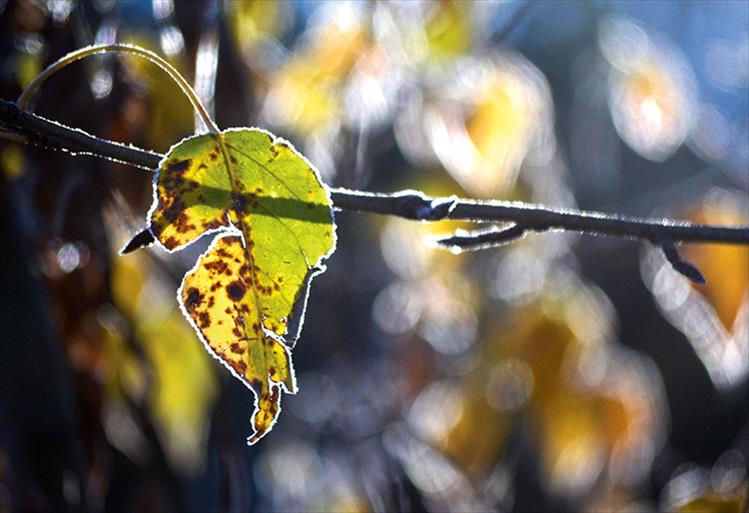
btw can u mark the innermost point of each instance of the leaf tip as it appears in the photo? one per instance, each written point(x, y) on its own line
point(690, 271)
point(143, 239)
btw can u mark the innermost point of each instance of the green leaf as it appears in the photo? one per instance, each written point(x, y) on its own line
point(247, 294)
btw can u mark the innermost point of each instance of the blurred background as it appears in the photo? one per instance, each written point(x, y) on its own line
point(558, 373)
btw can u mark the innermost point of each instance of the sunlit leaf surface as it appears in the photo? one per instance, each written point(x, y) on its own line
point(249, 290)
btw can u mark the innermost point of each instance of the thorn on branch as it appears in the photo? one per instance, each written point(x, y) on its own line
point(681, 266)
point(483, 239)
point(141, 240)
point(439, 208)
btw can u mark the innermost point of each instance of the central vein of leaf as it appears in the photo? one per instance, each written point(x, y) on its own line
point(243, 224)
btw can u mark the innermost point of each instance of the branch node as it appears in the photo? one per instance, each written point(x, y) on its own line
point(416, 205)
point(439, 208)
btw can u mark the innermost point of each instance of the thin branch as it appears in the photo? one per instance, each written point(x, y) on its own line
point(50, 134)
point(408, 204)
point(482, 239)
point(415, 205)
point(682, 266)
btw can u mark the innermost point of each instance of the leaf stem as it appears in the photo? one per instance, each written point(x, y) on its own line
point(162, 63)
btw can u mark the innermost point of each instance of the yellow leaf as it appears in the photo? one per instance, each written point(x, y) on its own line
point(449, 29)
point(252, 20)
point(718, 260)
point(246, 295)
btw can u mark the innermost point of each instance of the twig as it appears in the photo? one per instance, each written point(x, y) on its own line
point(482, 239)
point(407, 204)
point(682, 266)
point(411, 204)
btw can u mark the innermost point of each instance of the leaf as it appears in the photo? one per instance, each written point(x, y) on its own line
point(246, 295)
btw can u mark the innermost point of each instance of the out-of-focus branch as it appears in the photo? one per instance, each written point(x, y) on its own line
point(527, 217)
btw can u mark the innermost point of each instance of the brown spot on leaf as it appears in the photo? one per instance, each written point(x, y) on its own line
point(178, 166)
point(204, 319)
point(236, 348)
point(182, 223)
point(193, 298)
point(217, 266)
point(236, 290)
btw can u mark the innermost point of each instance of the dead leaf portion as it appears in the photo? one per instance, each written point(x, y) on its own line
point(220, 296)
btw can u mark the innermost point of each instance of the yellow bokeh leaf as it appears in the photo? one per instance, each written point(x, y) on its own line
point(306, 93)
point(726, 295)
point(449, 29)
point(252, 20)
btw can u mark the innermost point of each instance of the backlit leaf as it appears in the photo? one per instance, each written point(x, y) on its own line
point(247, 293)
